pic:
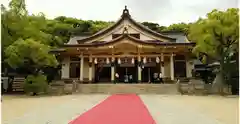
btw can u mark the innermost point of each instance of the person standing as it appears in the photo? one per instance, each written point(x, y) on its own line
point(161, 78)
point(130, 78)
point(116, 77)
point(155, 77)
point(126, 79)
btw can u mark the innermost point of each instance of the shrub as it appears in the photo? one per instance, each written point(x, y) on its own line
point(35, 84)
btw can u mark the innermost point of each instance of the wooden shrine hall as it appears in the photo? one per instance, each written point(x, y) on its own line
point(126, 48)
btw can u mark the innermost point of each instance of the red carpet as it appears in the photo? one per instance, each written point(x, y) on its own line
point(117, 109)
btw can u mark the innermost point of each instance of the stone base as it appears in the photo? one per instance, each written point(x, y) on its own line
point(113, 81)
point(128, 88)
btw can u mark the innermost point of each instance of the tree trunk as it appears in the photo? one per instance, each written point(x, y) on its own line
point(219, 80)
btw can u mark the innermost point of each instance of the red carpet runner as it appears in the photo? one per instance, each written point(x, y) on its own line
point(117, 109)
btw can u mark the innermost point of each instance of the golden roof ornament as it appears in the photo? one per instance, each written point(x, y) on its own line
point(125, 30)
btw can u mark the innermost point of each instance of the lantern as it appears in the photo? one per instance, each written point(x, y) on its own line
point(144, 60)
point(132, 60)
point(107, 61)
point(119, 61)
point(157, 59)
point(95, 60)
point(113, 59)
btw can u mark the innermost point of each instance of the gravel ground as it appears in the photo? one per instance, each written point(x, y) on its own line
point(165, 109)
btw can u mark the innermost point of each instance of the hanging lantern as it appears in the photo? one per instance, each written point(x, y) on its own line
point(107, 61)
point(132, 60)
point(95, 60)
point(119, 61)
point(144, 60)
point(157, 59)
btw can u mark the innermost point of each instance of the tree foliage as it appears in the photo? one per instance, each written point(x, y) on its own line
point(31, 54)
point(218, 34)
point(36, 84)
point(180, 27)
point(217, 37)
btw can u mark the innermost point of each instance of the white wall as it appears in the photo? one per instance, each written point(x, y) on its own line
point(107, 38)
point(167, 69)
point(86, 70)
point(65, 67)
point(144, 37)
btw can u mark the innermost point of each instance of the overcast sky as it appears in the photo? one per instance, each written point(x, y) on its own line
point(164, 12)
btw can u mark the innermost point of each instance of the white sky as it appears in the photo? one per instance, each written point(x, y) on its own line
point(164, 12)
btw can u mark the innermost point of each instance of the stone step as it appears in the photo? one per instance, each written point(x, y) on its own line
point(18, 84)
point(128, 88)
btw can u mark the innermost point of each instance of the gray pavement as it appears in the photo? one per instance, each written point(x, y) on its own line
point(165, 109)
point(61, 113)
point(167, 112)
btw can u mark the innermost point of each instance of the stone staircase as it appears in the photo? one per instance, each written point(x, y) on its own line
point(127, 88)
point(18, 84)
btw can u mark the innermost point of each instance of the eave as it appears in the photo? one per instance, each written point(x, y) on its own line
point(128, 37)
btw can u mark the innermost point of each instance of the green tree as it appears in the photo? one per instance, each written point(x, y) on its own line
point(180, 27)
point(18, 7)
point(152, 26)
point(217, 38)
point(35, 84)
point(29, 54)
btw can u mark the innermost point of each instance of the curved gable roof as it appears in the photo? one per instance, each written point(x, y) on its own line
point(125, 16)
point(128, 37)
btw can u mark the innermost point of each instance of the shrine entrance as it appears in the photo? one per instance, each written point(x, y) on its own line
point(102, 72)
point(127, 74)
point(127, 70)
point(105, 75)
point(147, 74)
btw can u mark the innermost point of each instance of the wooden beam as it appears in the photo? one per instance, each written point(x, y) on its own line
point(119, 56)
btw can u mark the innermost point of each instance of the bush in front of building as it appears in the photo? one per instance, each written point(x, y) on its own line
point(35, 84)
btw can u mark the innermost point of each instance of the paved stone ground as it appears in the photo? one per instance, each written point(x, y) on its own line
point(165, 109)
point(192, 109)
point(49, 110)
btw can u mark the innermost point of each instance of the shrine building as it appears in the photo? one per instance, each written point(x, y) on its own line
point(127, 48)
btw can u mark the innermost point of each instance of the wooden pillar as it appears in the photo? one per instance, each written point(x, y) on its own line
point(90, 70)
point(81, 68)
point(172, 67)
point(139, 65)
point(112, 70)
point(162, 65)
point(139, 70)
point(112, 65)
